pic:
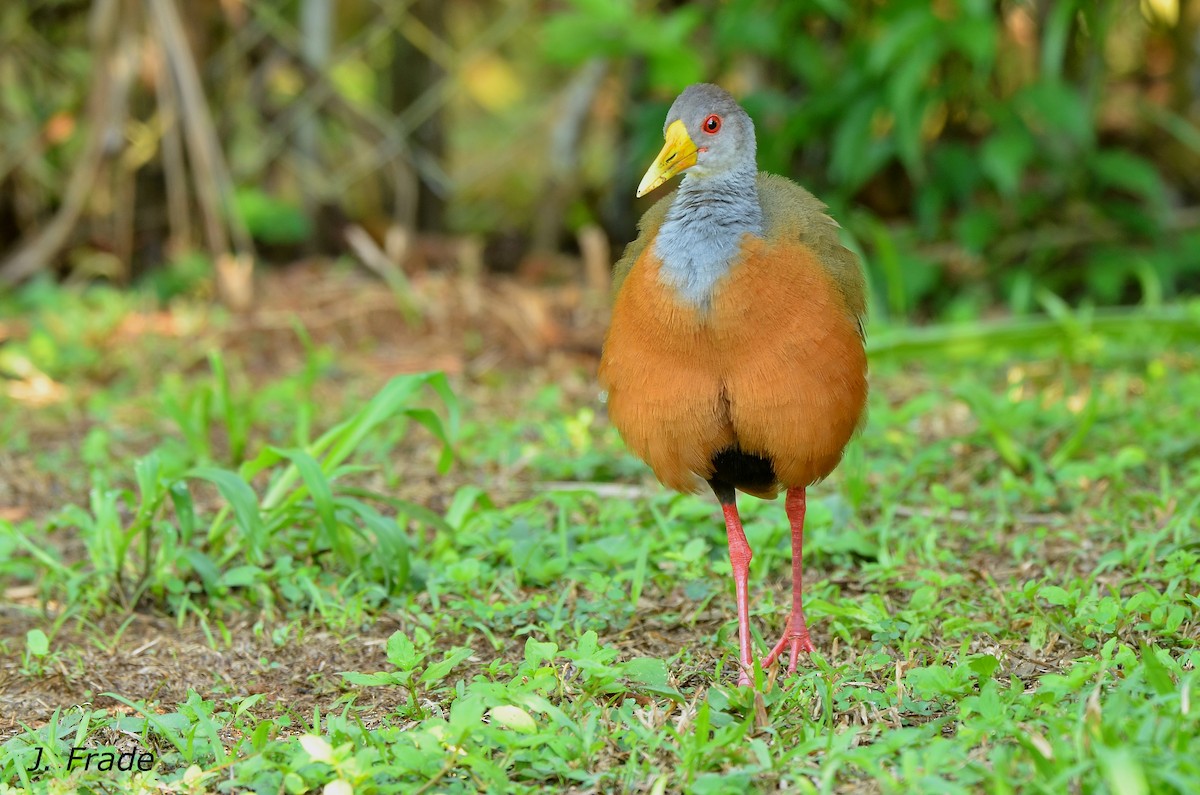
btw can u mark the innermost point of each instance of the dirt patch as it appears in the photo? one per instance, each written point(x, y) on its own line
point(144, 657)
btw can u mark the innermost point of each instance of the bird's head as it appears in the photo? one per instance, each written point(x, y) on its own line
point(707, 132)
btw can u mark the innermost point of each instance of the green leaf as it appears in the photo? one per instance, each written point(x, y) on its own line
point(537, 652)
point(932, 681)
point(977, 38)
point(905, 86)
point(369, 680)
point(1087, 419)
point(1056, 37)
point(675, 68)
point(1004, 158)
point(514, 718)
point(150, 487)
point(433, 423)
point(976, 228)
point(440, 384)
point(244, 502)
point(269, 219)
point(248, 702)
point(1123, 772)
point(395, 396)
point(318, 748)
point(1155, 673)
point(646, 671)
point(439, 670)
point(1057, 111)
point(185, 511)
point(321, 491)
point(243, 576)
point(205, 568)
point(857, 153)
point(650, 674)
point(466, 500)
point(402, 653)
point(913, 30)
point(266, 458)
point(37, 643)
point(1056, 595)
point(984, 666)
point(390, 549)
point(1120, 168)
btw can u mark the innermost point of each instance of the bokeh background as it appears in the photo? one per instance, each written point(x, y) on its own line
point(981, 154)
point(301, 303)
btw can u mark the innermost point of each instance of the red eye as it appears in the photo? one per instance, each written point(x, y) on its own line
point(711, 124)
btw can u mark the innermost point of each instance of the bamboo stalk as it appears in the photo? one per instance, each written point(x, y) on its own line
point(174, 167)
point(316, 31)
point(227, 236)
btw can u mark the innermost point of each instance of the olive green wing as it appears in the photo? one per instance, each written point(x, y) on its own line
point(790, 210)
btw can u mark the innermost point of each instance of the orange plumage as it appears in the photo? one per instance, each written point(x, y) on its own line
point(775, 367)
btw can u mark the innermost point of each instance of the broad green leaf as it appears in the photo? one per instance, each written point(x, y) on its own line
point(514, 718)
point(984, 666)
point(401, 652)
point(318, 748)
point(538, 652)
point(1056, 595)
point(651, 674)
point(37, 643)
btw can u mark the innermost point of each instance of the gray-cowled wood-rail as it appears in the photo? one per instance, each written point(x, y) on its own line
point(735, 355)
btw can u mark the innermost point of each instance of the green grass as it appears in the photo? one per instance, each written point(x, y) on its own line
point(388, 585)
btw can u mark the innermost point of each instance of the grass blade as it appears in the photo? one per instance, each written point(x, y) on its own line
point(244, 502)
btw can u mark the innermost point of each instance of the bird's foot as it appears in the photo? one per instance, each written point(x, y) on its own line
point(796, 638)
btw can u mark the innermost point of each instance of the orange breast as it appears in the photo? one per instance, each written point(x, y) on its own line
point(775, 366)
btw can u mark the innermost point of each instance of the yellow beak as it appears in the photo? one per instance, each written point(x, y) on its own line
point(678, 154)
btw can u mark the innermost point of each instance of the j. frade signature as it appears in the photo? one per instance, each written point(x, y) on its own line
point(101, 759)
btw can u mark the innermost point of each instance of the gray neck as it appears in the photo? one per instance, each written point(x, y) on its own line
point(699, 240)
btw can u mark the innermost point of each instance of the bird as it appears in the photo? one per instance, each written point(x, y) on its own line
point(735, 355)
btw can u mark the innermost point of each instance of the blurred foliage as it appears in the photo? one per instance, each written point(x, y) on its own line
point(271, 220)
point(979, 152)
point(976, 149)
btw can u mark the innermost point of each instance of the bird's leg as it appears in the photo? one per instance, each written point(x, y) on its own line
point(796, 634)
point(739, 559)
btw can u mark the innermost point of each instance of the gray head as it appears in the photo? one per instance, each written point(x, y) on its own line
point(717, 205)
point(706, 131)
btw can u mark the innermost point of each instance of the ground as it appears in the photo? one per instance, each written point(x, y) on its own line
point(273, 578)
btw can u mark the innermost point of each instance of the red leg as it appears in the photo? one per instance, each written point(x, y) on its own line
point(796, 634)
point(739, 558)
